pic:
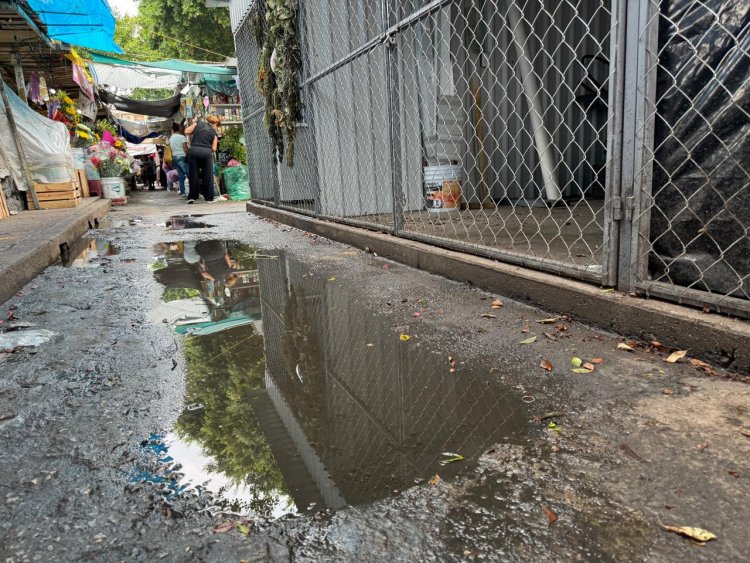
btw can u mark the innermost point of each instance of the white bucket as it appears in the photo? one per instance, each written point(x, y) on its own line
point(434, 176)
point(114, 189)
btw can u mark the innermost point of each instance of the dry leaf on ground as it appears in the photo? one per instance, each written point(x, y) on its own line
point(597, 361)
point(435, 480)
point(545, 364)
point(674, 356)
point(528, 340)
point(496, 304)
point(488, 316)
point(694, 533)
point(623, 346)
point(582, 370)
point(551, 516)
point(588, 365)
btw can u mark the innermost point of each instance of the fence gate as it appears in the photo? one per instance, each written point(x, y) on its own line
point(594, 139)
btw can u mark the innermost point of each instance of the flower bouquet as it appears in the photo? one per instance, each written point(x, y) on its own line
point(109, 161)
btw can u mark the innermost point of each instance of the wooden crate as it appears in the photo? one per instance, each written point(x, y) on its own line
point(82, 182)
point(59, 195)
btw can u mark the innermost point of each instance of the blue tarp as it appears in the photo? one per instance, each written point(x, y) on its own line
point(88, 23)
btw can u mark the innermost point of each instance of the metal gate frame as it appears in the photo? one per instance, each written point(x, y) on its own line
point(634, 58)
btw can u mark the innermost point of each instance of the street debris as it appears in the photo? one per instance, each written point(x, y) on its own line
point(405, 337)
point(528, 340)
point(582, 370)
point(528, 399)
point(674, 356)
point(576, 362)
point(435, 480)
point(488, 316)
point(699, 535)
point(551, 516)
point(496, 304)
point(545, 365)
point(630, 452)
point(243, 526)
point(451, 458)
point(623, 346)
point(11, 341)
point(549, 321)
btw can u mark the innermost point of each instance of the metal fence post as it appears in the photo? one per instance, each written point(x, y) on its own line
point(638, 137)
point(394, 120)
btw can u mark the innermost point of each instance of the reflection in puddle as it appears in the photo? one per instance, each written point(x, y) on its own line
point(86, 253)
point(179, 222)
point(320, 404)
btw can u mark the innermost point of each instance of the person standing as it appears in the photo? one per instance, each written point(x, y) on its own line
point(178, 145)
point(204, 142)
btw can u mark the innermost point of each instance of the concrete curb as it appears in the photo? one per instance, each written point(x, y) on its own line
point(708, 336)
point(29, 262)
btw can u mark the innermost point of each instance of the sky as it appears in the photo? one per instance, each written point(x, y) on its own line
point(124, 7)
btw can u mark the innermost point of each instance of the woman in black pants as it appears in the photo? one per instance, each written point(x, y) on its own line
point(203, 145)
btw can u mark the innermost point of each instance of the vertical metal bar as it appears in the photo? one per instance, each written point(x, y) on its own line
point(613, 173)
point(19, 146)
point(638, 123)
point(394, 121)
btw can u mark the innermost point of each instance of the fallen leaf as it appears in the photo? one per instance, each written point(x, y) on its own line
point(608, 290)
point(332, 278)
point(674, 356)
point(525, 330)
point(582, 370)
point(623, 346)
point(745, 432)
point(551, 320)
point(546, 364)
point(416, 314)
point(551, 516)
point(528, 340)
point(631, 452)
point(576, 362)
point(488, 316)
point(224, 527)
point(667, 391)
point(588, 365)
point(549, 336)
point(496, 304)
point(694, 533)
point(735, 474)
point(701, 446)
point(243, 529)
point(435, 480)
point(597, 361)
point(405, 337)
point(562, 327)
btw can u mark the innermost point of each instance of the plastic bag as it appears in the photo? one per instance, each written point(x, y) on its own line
point(237, 183)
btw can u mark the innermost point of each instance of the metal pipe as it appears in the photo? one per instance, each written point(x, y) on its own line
point(544, 147)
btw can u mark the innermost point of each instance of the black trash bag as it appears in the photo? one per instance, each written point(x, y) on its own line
point(701, 170)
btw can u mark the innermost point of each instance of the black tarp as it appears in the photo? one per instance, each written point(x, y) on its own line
point(701, 169)
point(159, 108)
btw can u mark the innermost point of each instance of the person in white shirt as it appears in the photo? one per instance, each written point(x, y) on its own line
point(179, 146)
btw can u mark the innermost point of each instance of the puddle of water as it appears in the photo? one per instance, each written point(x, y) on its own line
point(111, 222)
point(87, 252)
point(308, 395)
point(180, 222)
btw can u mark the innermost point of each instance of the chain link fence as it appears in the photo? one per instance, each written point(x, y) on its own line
point(593, 139)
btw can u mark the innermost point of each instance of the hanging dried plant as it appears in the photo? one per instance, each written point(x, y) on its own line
point(279, 69)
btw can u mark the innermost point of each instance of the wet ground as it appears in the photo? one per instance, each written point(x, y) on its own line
point(217, 387)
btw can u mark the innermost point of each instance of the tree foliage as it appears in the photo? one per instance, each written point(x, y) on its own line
point(181, 29)
point(223, 371)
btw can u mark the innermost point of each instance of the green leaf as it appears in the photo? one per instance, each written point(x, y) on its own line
point(582, 370)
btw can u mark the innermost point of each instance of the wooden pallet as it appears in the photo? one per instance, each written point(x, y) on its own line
point(4, 213)
point(59, 195)
point(82, 182)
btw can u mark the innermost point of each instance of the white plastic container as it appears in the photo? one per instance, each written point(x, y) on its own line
point(114, 189)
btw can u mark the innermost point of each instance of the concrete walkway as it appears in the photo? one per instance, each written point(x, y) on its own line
point(30, 241)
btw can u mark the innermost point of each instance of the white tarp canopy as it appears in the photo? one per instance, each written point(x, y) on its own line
point(140, 150)
point(45, 144)
point(129, 77)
